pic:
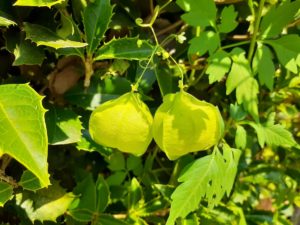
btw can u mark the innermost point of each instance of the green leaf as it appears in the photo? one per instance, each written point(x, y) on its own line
point(240, 137)
point(246, 94)
point(211, 177)
point(135, 196)
point(273, 22)
point(44, 36)
point(6, 20)
point(66, 27)
point(98, 92)
point(22, 129)
point(125, 48)
point(96, 18)
point(207, 41)
point(219, 65)
point(83, 208)
point(116, 178)
point(236, 112)
point(273, 135)
point(6, 192)
point(26, 53)
point(108, 219)
point(103, 194)
point(167, 82)
point(287, 49)
point(263, 64)
point(199, 13)
point(240, 78)
point(29, 181)
point(46, 204)
point(63, 125)
point(116, 161)
point(38, 3)
point(228, 19)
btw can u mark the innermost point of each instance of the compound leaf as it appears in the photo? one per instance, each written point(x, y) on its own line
point(228, 22)
point(273, 22)
point(204, 178)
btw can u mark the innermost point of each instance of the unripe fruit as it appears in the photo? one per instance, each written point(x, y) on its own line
point(184, 124)
point(124, 123)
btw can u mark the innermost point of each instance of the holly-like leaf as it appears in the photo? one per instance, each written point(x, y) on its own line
point(98, 92)
point(228, 19)
point(287, 49)
point(44, 36)
point(240, 78)
point(125, 48)
point(206, 178)
point(219, 65)
point(6, 191)
point(96, 18)
point(26, 53)
point(199, 13)
point(22, 128)
point(6, 20)
point(38, 3)
point(63, 125)
point(273, 22)
point(264, 66)
point(207, 41)
point(45, 204)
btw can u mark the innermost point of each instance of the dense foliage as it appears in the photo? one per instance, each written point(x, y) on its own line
point(61, 59)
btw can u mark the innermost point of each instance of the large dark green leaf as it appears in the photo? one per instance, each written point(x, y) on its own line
point(125, 48)
point(22, 128)
point(63, 125)
point(96, 18)
point(98, 92)
point(43, 36)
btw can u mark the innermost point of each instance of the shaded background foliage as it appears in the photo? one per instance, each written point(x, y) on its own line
point(242, 56)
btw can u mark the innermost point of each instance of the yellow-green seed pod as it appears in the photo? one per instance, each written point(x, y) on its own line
point(184, 124)
point(124, 123)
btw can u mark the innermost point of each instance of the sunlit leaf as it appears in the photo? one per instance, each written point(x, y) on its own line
point(206, 178)
point(38, 3)
point(63, 125)
point(264, 66)
point(6, 20)
point(44, 36)
point(125, 48)
point(219, 65)
point(24, 137)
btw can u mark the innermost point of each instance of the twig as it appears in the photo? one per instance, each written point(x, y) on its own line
point(169, 28)
point(8, 179)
